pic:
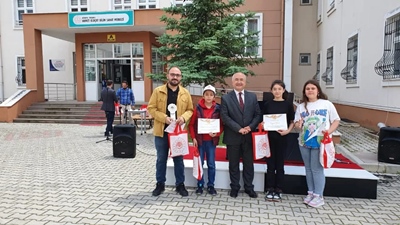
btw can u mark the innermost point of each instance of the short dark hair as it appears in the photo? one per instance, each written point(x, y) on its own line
point(109, 82)
point(126, 82)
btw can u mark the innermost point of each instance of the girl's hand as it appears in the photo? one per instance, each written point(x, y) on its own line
point(212, 134)
point(194, 142)
point(283, 132)
point(299, 124)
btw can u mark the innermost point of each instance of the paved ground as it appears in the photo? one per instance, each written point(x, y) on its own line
point(56, 174)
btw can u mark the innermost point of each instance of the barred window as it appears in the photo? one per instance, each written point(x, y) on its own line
point(318, 73)
point(122, 4)
point(327, 77)
point(389, 65)
point(21, 74)
point(21, 7)
point(147, 4)
point(349, 73)
point(78, 5)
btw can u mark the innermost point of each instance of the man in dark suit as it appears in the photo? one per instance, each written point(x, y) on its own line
point(108, 97)
point(240, 114)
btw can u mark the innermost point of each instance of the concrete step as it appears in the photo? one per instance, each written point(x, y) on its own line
point(62, 112)
point(99, 116)
point(71, 121)
point(61, 108)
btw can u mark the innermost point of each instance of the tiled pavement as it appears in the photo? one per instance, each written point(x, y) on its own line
point(56, 174)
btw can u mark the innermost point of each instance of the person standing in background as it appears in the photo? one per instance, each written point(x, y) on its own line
point(108, 97)
point(126, 100)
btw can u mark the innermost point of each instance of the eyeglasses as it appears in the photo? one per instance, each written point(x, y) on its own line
point(175, 75)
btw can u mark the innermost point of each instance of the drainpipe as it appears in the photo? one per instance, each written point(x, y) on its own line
point(1, 73)
point(287, 23)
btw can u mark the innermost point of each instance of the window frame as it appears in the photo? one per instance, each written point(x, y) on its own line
point(78, 7)
point(329, 67)
point(17, 23)
point(302, 3)
point(320, 7)
point(259, 18)
point(317, 75)
point(351, 64)
point(123, 5)
point(181, 2)
point(147, 4)
point(19, 69)
point(331, 7)
point(309, 59)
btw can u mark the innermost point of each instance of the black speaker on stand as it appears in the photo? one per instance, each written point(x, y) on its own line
point(124, 141)
point(389, 145)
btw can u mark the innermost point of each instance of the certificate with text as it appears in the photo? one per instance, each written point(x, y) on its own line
point(206, 126)
point(274, 122)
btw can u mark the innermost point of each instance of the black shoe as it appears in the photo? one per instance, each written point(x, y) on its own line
point(270, 195)
point(251, 193)
point(211, 190)
point(106, 134)
point(199, 190)
point(277, 197)
point(234, 193)
point(182, 190)
point(160, 188)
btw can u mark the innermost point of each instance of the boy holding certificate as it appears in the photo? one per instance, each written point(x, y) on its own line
point(277, 131)
point(205, 128)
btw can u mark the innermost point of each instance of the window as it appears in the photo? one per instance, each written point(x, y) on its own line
point(78, 5)
point(331, 5)
point(156, 60)
point(147, 4)
point(389, 65)
point(253, 26)
point(319, 11)
point(305, 2)
point(181, 2)
point(137, 50)
point(122, 4)
point(349, 73)
point(21, 7)
point(21, 74)
point(327, 77)
point(317, 74)
point(305, 59)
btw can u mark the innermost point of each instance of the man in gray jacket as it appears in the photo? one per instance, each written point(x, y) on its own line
point(108, 97)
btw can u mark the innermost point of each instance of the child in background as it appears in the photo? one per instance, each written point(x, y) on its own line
point(206, 143)
point(277, 140)
point(314, 117)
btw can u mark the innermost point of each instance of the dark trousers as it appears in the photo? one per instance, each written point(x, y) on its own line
point(275, 170)
point(110, 119)
point(244, 150)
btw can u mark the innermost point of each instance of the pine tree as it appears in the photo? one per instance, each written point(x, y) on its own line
point(207, 41)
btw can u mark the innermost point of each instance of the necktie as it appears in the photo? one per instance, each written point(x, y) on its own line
point(241, 104)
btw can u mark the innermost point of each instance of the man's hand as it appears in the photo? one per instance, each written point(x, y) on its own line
point(243, 131)
point(248, 129)
point(180, 120)
point(168, 120)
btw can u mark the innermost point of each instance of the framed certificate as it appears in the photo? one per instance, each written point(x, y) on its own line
point(274, 122)
point(206, 126)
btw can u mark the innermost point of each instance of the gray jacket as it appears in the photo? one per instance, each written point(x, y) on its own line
point(108, 97)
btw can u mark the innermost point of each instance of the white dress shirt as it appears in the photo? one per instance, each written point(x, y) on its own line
point(237, 95)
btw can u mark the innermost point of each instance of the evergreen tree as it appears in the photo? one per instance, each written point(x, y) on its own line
point(208, 41)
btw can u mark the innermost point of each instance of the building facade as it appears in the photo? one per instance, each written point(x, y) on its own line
point(45, 48)
point(353, 48)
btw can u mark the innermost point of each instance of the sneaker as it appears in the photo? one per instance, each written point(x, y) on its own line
point(317, 201)
point(211, 190)
point(308, 198)
point(199, 190)
point(277, 196)
point(160, 188)
point(269, 195)
point(182, 190)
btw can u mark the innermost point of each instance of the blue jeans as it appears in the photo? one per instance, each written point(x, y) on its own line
point(314, 171)
point(208, 149)
point(162, 148)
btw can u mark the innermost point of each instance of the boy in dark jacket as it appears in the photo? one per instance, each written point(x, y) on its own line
point(206, 143)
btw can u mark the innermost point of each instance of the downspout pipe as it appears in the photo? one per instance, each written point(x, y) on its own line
point(287, 43)
point(1, 73)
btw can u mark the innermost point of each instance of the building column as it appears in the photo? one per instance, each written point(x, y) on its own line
point(34, 62)
point(148, 87)
point(80, 78)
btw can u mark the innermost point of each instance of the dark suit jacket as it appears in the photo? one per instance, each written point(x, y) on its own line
point(234, 118)
point(108, 97)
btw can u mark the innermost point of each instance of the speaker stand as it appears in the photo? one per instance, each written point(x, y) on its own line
point(107, 139)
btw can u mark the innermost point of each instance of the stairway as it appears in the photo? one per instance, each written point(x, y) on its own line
point(84, 113)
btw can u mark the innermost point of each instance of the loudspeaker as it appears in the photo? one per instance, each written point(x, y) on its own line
point(389, 145)
point(124, 141)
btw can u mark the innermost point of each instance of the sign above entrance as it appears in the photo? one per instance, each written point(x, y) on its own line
point(111, 37)
point(100, 19)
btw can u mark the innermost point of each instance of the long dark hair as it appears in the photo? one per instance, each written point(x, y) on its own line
point(280, 83)
point(320, 95)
